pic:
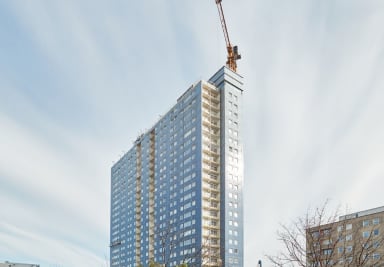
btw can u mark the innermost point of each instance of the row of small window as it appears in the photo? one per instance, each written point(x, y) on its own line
point(233, 260)
point(365, 223)
point(373, 256)
point(346, 261)
point(231, 95)
point(233, 222)
point(340, 250)
point(120, 226)
point(233, 150)
point(180, 117)
point(234, 114)
point(188, 96)
point(178, 110)
point(164, 184)
point(233, 123)
point(374, 221)
point(233, 141)
point(349, 249)
point(179, 145)
point(232, 186)
point(232, 168)
point(186, 131)
point(233, 177)
point(365, 234)
point(233, 105)
point(185, 169)
point(233, 160)
point(233, 232)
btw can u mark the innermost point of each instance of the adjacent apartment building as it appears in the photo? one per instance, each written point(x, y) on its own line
point(355, 240)
point(177, 194)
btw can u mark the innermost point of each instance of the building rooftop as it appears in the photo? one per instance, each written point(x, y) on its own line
point(361, 213)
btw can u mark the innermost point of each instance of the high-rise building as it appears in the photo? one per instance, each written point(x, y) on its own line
point(177, 194)
point(354, 240)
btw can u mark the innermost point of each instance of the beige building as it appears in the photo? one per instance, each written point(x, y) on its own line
point(356, 239)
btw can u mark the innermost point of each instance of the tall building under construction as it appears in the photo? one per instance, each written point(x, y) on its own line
point(177, 194)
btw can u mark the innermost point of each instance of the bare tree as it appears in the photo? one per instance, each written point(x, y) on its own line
point(170, 237)
point(322, 239)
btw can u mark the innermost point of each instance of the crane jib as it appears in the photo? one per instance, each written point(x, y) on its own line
point(232, 51)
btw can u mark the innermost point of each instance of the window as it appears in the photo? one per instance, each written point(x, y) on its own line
point(376, 232)
point(376, 221)
point(366, 223)
point(348, 238)
point(315, 234)
point(327, 251)
point(348, 226)
point(349, 249)
point(326, 231)
point(376, 256)
point(339, 228)
point(340, 250)
point(366, 234)
point(376, 244)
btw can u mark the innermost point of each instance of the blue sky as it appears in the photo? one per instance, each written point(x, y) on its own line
point(79, 80)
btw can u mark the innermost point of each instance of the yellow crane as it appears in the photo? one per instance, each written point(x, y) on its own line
point(232, 51)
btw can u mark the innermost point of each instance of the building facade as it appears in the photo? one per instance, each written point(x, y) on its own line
point(355, 240)
point(176, 195)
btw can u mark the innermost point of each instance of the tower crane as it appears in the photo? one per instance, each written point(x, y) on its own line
point(232, 51)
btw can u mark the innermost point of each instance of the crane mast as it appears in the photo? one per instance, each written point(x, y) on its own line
point(232, 51)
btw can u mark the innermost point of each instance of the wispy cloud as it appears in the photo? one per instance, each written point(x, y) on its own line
point(80, 80)
point(61, 252)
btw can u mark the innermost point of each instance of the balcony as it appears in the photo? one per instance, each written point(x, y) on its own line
point(207, 112)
